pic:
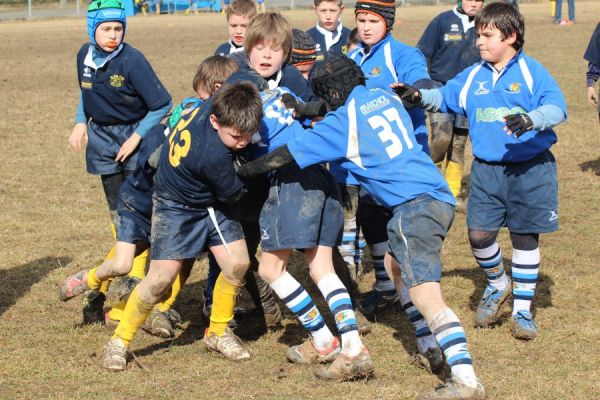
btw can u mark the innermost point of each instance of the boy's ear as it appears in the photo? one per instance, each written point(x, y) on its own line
point(217, 87)
point(512, 38)
point(214, 122)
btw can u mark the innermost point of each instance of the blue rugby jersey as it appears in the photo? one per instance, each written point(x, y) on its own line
point(120, 91)
point(372, 137)
point(486, 96)
point(448, 44)
point(324, 38)
point(195, 167)
point(227, 48)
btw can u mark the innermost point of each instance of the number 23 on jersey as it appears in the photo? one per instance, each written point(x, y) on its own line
point(180, 140)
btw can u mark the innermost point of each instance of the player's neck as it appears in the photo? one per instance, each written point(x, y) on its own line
point(504, 60)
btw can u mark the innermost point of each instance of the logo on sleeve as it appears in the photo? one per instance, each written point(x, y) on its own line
point(116, 80)
point(481, 89)
point(87, 72)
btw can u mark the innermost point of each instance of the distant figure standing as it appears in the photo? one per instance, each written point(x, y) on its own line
point(592, 55)
point(558, 13)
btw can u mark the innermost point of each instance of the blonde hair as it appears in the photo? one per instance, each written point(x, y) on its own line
point(212, 71)
point(242, 8)
point(269, 26)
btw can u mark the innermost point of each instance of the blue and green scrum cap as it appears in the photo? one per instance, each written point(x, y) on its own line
point(100, 11)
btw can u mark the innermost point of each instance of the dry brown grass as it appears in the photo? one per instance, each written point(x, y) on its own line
point(53, 221)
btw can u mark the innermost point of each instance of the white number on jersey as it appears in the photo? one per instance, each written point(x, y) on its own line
point(386, 134)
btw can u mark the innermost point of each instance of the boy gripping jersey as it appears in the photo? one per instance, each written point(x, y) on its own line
point(486, 97)
point(372, 137)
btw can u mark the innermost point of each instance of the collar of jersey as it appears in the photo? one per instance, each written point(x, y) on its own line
point(387, 38)
point(498, 74)
point(89, 58)
point(330, 39)
point(464, 19)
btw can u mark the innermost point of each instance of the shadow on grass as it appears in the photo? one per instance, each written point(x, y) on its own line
point(593, 165)
point(542, 299)
point(16, 281)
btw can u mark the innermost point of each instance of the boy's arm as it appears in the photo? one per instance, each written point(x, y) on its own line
point(542, 118)
point(219, 172)
point(78, 137)
point(278, 158)
point(592, 76)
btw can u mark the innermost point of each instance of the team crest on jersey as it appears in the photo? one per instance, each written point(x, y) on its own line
point(87, 72)
point(375, 71)
point(514, 88)
point(117, 80)
point(481, 89)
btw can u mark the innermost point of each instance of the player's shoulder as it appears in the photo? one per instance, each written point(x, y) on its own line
point(313, 31)
point(222, 49)
point(83, 50)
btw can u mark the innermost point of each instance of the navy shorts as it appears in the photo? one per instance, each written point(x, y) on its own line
point(104, 142)
point(303, 210)
point(416, 233)
point(180, 231)
point(521, 196)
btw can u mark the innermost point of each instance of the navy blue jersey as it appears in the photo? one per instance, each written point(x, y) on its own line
point(372, 137)
point(486, 96)
point(227, 48)
point(448, 44)
point(122, 90)
point(136, 191)
point(195, 167)
point(329, 41)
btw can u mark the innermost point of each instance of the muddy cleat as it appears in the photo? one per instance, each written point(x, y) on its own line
point(377, 301)
point(362, 323)
point(522, 326)
point(490, 304)
point(93, 307)
point(228, 345)
point(109, 322)
point(73, 285)
point(120, 288)
point(346, 368)
point(114, 355)
point(162, 324)
point(455, 389)
point(432, 360)
point(306, 353)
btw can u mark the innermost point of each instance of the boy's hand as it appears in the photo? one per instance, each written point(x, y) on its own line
point(128, 147)
point(78, 138)
point(408, 94)
point(591, 96)
point(518, 124)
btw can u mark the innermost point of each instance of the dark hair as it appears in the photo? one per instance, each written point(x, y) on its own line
point(212, 71)
point(353, 38)
point(504, 17)
point(238, 106)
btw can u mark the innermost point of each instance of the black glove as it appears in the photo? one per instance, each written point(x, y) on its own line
point(288, 100)
point(410, 95)
point(310, 110)
point(518, 124)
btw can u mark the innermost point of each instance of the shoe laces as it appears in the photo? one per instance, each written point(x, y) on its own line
point(230, 342)
point(116, 348)
point(525, 318)
point(492, 297)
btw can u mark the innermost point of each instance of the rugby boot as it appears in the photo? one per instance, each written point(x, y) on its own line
point(522, 326)
point(346, 368)
point(490, 304)
point(454, 389)
point(307, 353)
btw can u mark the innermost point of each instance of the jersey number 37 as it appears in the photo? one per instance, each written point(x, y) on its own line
point(386, 132)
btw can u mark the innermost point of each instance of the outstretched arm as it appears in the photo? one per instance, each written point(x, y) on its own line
point(278, 158)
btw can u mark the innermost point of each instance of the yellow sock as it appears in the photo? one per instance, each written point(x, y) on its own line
point(552, 8)
point(134, 316)
point(116, 312)
point(111, 254)
point(223, 304)
point(92, 280)
point(454, 177)
point(138, 269)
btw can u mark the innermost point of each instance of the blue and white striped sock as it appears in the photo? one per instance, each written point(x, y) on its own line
point(452, 339)
point(300, 303)
point(359, 246)
point(383, 284)
point(349, 250)
point(525, 269)
point(490, 260)
point(340, 305)
point(425, 339)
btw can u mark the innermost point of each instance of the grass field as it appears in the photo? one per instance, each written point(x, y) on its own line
point(54, 221)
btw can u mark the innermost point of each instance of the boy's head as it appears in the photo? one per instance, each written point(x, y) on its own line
point(334, 78)
point(239, 15)
point(374, 19)
point(268, 43)
point(304, 52)
point(328, 13)
point(106, 21)
point(353, 40)
point(500, 32)
point(211, 74)
point(236, 114)
point(470, 7)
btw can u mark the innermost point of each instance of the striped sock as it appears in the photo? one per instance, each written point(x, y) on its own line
point(425, 339)
point(349, 248)
point(300, 303)
point(490, 260)
point(340, 305)
point(359, 246)
point(383, 284)
point(451, 336)
point(525, 268)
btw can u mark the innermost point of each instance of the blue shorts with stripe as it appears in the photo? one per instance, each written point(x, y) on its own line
point(303, 210)
point(521, 196)
point(104, 142)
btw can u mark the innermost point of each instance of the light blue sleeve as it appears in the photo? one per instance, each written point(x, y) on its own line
point(152, 118)
point(432, 99)
point(80, 117)
point(546, 117)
